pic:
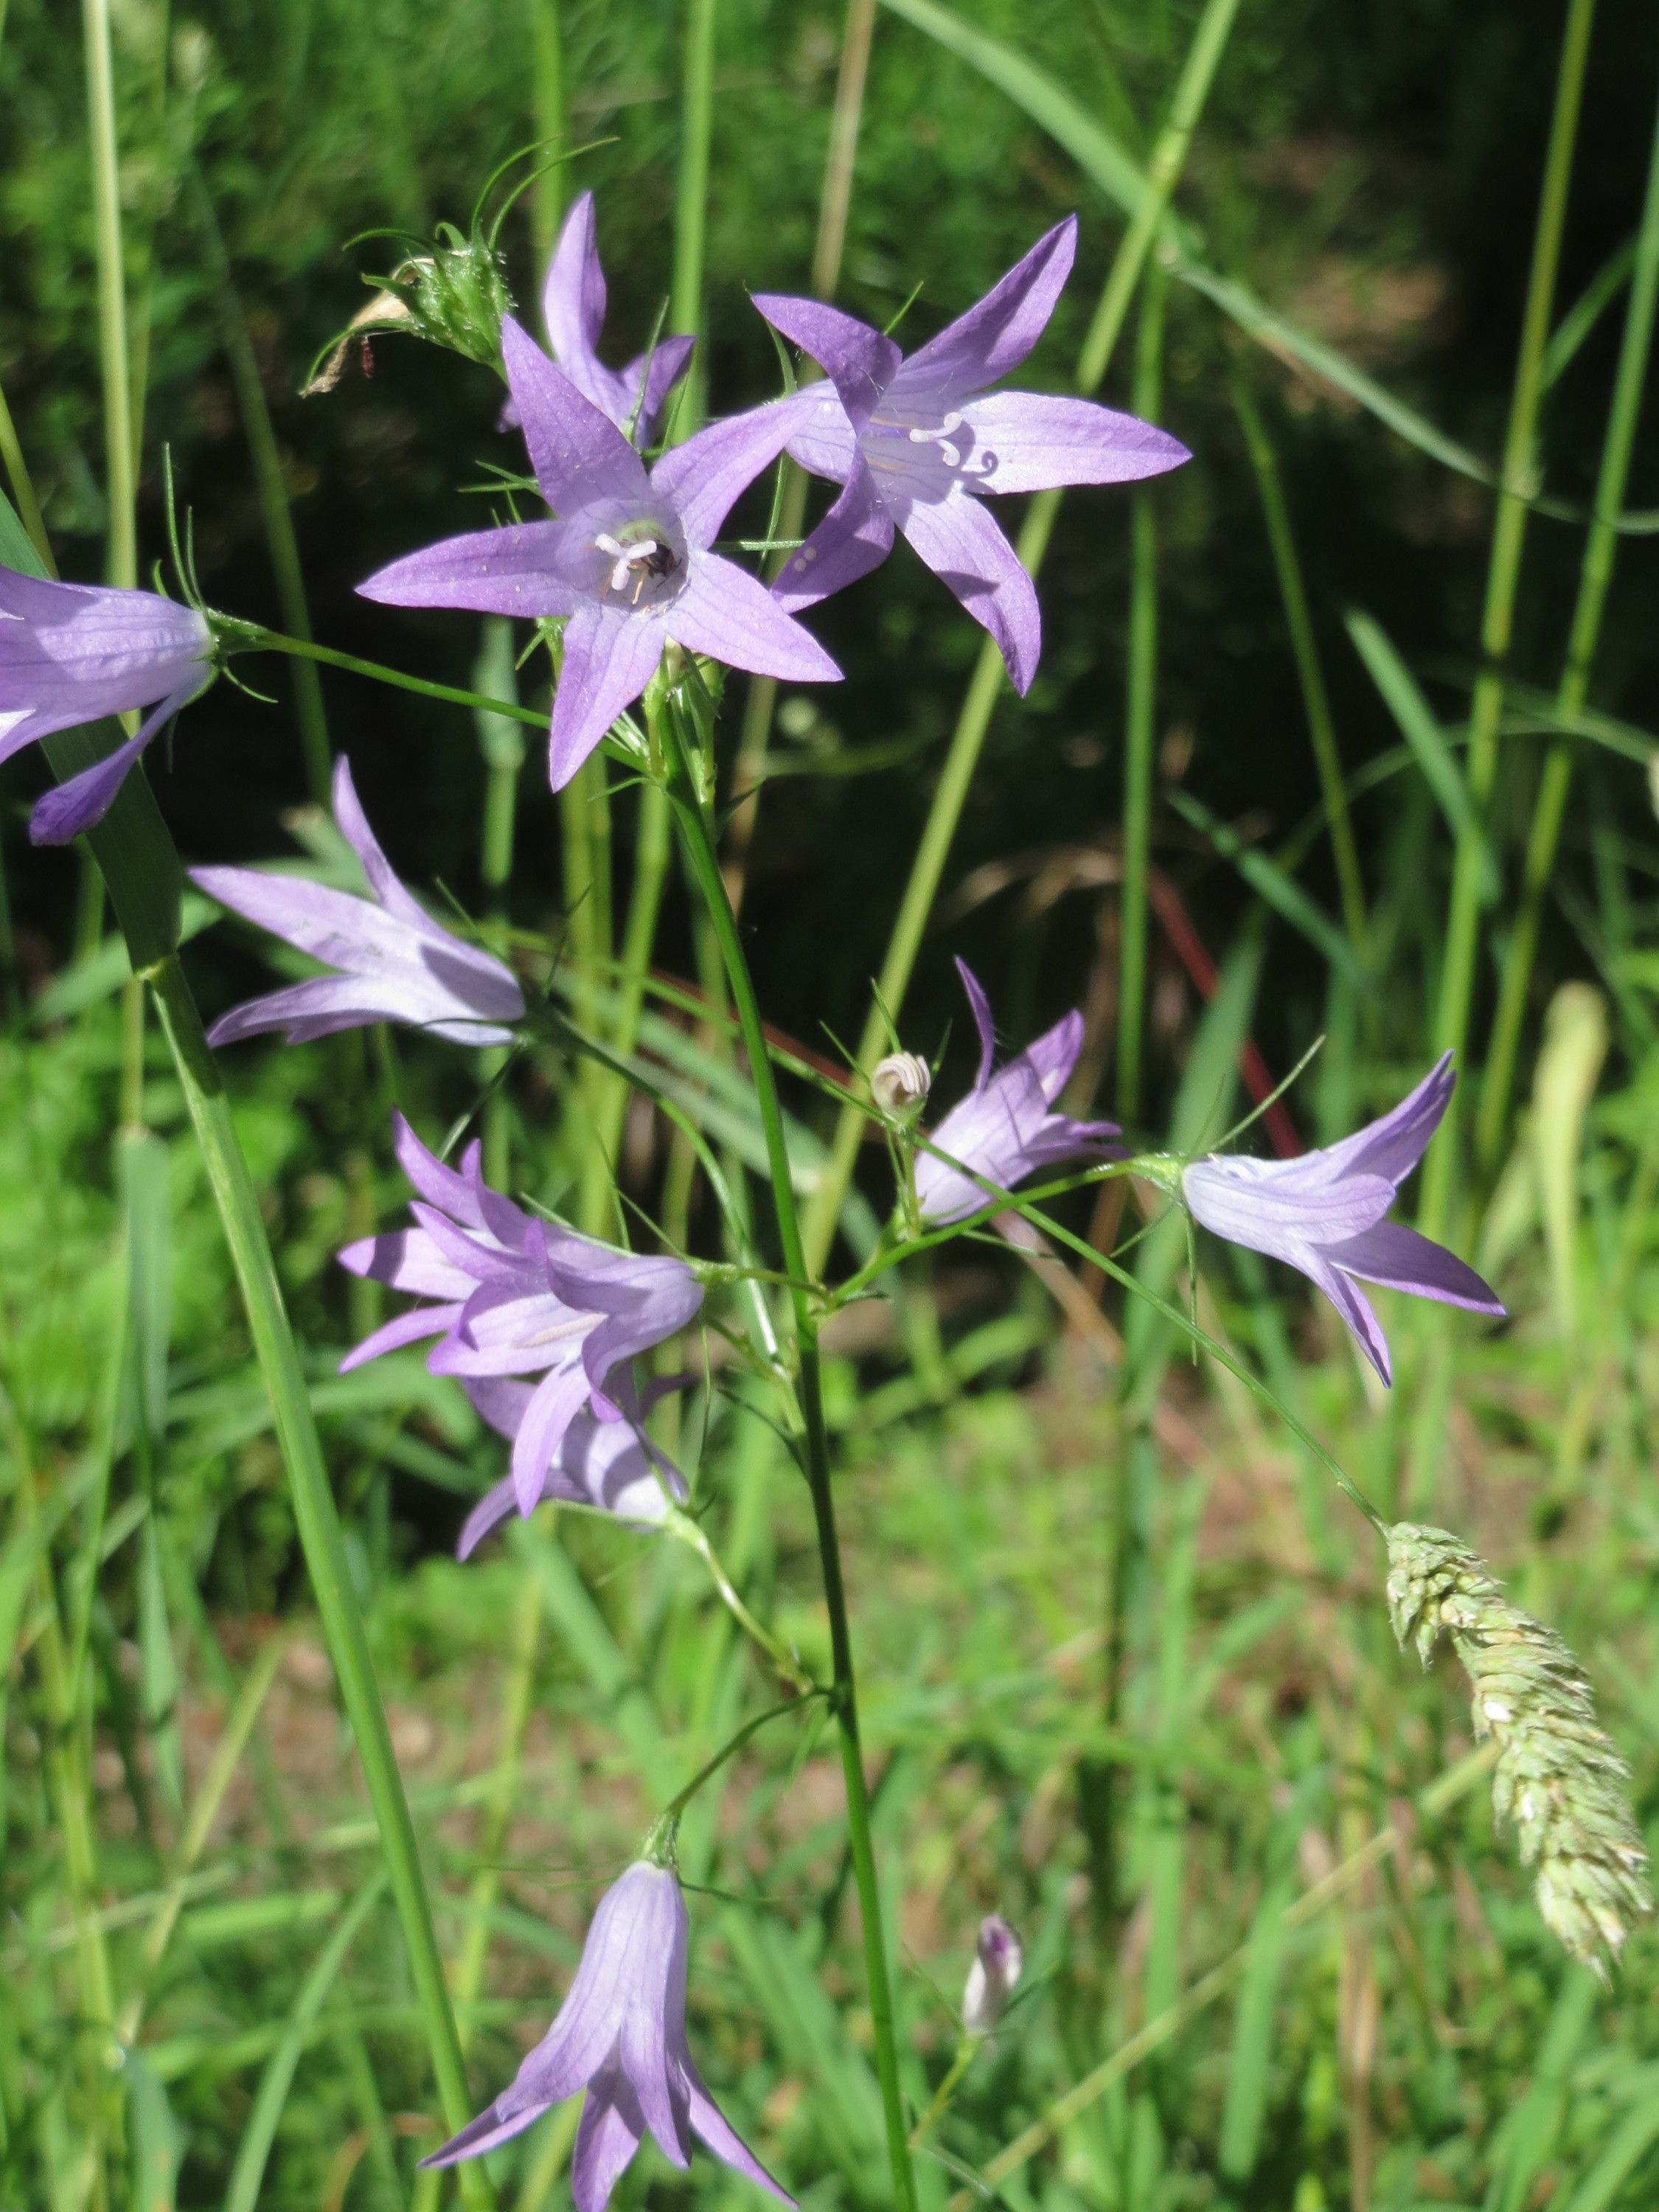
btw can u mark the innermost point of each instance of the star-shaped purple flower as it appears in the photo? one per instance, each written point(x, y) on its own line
point(627, 561)
point(610, 1465)
point(918, 442)
point(572, 311)
point(74, 652)
point(1003, 1129)
point(400, 966)
point(512, 1295)
point(1323, 1213)
point(620, 2035)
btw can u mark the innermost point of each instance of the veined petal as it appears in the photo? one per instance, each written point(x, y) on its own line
point(731, 617)
point(1356, 1309)
point(558, 1398)
point(82, 802)
point(1027, 441)
point(438, 1184)
point(998, 331)
point(579, 454)
point(488, 2132)
point(573, 296)
point(824, 441)
point(702, 478)
point(966, 550)
point(328, 1004)
point(980, 1007)
point(609, 659)
point(492, 1509)
point(1246, 1202)
point(1393, 1146)
point(1052, 1056)
point(383, 882)
point(407, 1259)
point(491, 572)
point(855, 536)
point(860, 362)
point(722, 2138)
point(406, 1328)
point(1401, 1260)
point(607, 2136)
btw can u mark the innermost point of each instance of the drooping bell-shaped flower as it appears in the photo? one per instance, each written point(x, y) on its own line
point(918, 441)
point(610, 1465)
point(629, 560)
point(74, 652)
point(1005, 1129)
point(620, 2035)
point(512, 1295)
point(396, 964)
point(1323, 1213)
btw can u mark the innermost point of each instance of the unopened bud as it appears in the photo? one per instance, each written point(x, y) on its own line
point(899, 1083)
point(992, 1977)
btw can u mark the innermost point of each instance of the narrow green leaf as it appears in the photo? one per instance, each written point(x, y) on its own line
point(1274, 888)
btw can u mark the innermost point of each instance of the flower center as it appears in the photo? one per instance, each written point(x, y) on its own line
point(949, 436)
point(951, 455)
point(639, 564)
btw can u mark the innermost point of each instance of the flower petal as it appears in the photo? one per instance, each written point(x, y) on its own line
point(981, 1011)
point(965, 547)
point(996, 334)
point(328, 1004)
point(1028, 441)
point(386, 886)
point(702, 478)
point(490, 572)
point(1393, 1146)
point(486, 2133)
point(662, 370)
point(824, 441)
point(855, 536)
point(731, 617)
point(492, 1509)
point(1250, 1203)
point(609, 659)
point(438, 1183)
point(406, 1328)
point(713, 2126)
point(559, 1396)
point(1356, 1311)
point(607, 2136)
point(1054, 1054)
point(579, 454)
point(407, 1259)
point(84, 801)
point(1400, 1259)
point(573, 296)
point(860, 362)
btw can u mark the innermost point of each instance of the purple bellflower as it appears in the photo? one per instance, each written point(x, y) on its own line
point(917, 442)
point(74, 652)
point(1323, 1214)
point(398, 964)
point(621, 2034)
point(611, 1465)
point(573, 313)
point(511, 1295)
point(627, 561)
point(1003, 1128)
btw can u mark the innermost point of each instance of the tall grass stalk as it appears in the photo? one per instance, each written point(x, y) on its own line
point(1139, 713)
point(974, 720)
point(548, 104)
point(501, 741)
point(121, 551)
point(1456, 985)
point(1595, 574)
point(685, 301)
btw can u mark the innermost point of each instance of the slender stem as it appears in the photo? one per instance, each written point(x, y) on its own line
point(732, 1747)
point(1140, 703)
point(121, 559)
point(1600, 548)
point(1163, 172)
point(705, 868)
point(685, 311)
point(317, 1522)
point(251, 637)
point(275, 512)
point(644, 905)
point(1503, 577)
point(501, 741)
point(690, 1533)
point(547, 91)
point(1316, 700)
point(22, 489)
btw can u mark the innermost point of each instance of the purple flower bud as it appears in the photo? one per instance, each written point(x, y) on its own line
point(917, 443)
point(510, 1295)
point(899, 1083)
point(621, 2034)
point(396, 964)
point(993, 1975)
point(1003, 1128)
point(74, 652)
point(1322, 1213)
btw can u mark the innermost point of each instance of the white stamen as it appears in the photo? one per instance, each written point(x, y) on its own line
point(624, 559)
point(951, 455)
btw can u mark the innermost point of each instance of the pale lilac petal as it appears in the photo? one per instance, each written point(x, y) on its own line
point(407, 1328)
point(385, 884)
point(998, 331)
point(1393, 1146)
point(492, 572)
point(480, 1258)
point(488, 2132)
point(1054, 1054)
point(492, 1509)
point(1356, 1311)
point(1236, 1199)
point(559, 1397)
point(965, 547)
point(662, 370)
point(501, 1400)
point(860, 362)
point(713, 2126)
point(981, 1007)
point(855, 536)
point(702, 478)
point(408, 1259)
point(824, 441)
point(573, 297)
point(1028, 441)
point(438, 1183)
point(729, 615)
point(1401, 1260)
point(609, 659)
point(73, 653)
point(608, 2135)
point(328, 1004)
point(579, 454)
point(82, 802)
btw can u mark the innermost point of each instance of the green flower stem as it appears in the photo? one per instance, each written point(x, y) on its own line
point(1163, 172)
point(685, 305)
point(1503, 578)
point(704, 865)
point(251, 637)
point(318, 1525)
point(967, 2050)
point(730, 1750)
point(1140, 706)
point(121, 562)
point(1601, 546)
point(644, 905)
point(547, 89)
point(691, 1535)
